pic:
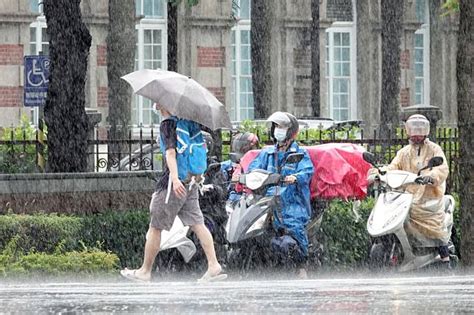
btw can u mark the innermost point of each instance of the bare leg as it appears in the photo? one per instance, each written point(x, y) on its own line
point(152, 247)
point(207, 243)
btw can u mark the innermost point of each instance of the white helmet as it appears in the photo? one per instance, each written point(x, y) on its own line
point(285, 120)
point(417, 125)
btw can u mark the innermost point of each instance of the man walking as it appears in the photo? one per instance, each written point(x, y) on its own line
point(174, 197)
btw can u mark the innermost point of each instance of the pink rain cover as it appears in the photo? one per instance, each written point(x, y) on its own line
point(339, 170)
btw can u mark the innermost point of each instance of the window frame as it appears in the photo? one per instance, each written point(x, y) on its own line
point(341, 27)
point(146, 24)
point(242, 25)
point(424, 30)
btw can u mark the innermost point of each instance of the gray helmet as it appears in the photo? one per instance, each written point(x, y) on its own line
point(244, 142)
point(285, 120)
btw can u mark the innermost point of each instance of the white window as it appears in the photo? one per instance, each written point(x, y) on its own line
point(151, 53)
point(39, 43)
point(341, 71)
point(421, 60)
point(242, 106)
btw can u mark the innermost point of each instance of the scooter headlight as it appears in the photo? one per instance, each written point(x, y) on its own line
point(257, 225)
point(255, 180)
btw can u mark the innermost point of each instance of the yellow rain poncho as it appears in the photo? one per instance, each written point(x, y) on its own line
point(427, 212)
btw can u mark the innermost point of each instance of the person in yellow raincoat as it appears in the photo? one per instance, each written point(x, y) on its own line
point(427, 213)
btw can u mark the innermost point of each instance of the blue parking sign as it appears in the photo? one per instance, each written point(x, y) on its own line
point(36, 80)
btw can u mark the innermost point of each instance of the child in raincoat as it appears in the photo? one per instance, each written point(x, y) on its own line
point(241, 144)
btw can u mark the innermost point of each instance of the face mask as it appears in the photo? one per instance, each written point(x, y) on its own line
point(417, 139)
point(280, 134)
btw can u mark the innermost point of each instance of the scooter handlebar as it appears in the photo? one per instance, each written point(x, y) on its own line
point(424, 180)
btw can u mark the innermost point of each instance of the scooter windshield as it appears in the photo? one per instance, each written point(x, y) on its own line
point(255, 180)
point(395, 179)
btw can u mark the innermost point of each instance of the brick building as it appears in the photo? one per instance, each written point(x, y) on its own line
point(214, 49)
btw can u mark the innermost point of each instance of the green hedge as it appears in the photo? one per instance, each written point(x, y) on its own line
point(14, 263)
point(123, 233)
point(41, 232)
point(344, 237)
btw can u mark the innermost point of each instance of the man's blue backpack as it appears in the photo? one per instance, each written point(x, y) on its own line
point(191, 151)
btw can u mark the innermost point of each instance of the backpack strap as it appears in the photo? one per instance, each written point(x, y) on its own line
point(179, 129)
point(168, 190)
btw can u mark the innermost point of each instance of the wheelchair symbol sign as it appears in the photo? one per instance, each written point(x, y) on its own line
point(36, 79)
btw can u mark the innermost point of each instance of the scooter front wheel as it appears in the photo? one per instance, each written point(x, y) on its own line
point(378, 257)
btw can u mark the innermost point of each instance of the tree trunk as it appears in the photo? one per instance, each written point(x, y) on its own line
point(65, 115)
point(260, 53)
point(121, 41)
point(464, 75)
point(392, 13)
point(315, 71)
point(172, 36)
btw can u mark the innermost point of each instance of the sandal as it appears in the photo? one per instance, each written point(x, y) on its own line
point(208, 278)
point(131, 275)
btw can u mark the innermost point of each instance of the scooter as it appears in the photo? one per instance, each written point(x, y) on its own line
point(249, 228)
point(394, 243)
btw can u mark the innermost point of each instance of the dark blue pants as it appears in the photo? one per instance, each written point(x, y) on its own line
point(443, 251)
point(287, 250)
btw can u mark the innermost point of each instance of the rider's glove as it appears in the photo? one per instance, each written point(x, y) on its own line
point(424, 180)
point(372, 178)
point(208, 187)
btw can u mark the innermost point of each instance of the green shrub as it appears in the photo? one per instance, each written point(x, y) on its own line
point(19, 158)
point(13, 263)
point(122, 233)
point(41, 232)
point(457, 233)
point(344, 238)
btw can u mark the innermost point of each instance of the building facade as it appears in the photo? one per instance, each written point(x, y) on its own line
point(214, 48)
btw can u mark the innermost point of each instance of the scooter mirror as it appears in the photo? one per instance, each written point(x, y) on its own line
point(435, 161)
point(234, 157)
point(294, 158)
point(369, 157)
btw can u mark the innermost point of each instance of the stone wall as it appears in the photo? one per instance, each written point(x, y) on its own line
point(75, 192)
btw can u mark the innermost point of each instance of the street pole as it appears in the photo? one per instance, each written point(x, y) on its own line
point(40, 160)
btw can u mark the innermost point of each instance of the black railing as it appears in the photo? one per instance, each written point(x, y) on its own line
point(18, 152)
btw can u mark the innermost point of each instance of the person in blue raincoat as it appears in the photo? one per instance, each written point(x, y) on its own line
point(291, 241)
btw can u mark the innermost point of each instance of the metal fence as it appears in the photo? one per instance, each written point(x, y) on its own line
point(19, 152)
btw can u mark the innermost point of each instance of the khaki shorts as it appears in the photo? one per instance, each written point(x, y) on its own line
point(162, 214)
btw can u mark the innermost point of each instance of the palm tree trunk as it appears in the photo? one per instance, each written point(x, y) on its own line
point(464, 74)
point(65, 115)
point(392, 13)
point(315, 56)
point(260, 54)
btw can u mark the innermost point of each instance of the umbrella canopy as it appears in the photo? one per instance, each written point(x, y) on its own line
point(181, 96)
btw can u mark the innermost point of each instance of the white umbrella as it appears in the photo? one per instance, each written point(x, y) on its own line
point(181, 96)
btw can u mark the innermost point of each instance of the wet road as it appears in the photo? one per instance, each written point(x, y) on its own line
point(390, 295)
